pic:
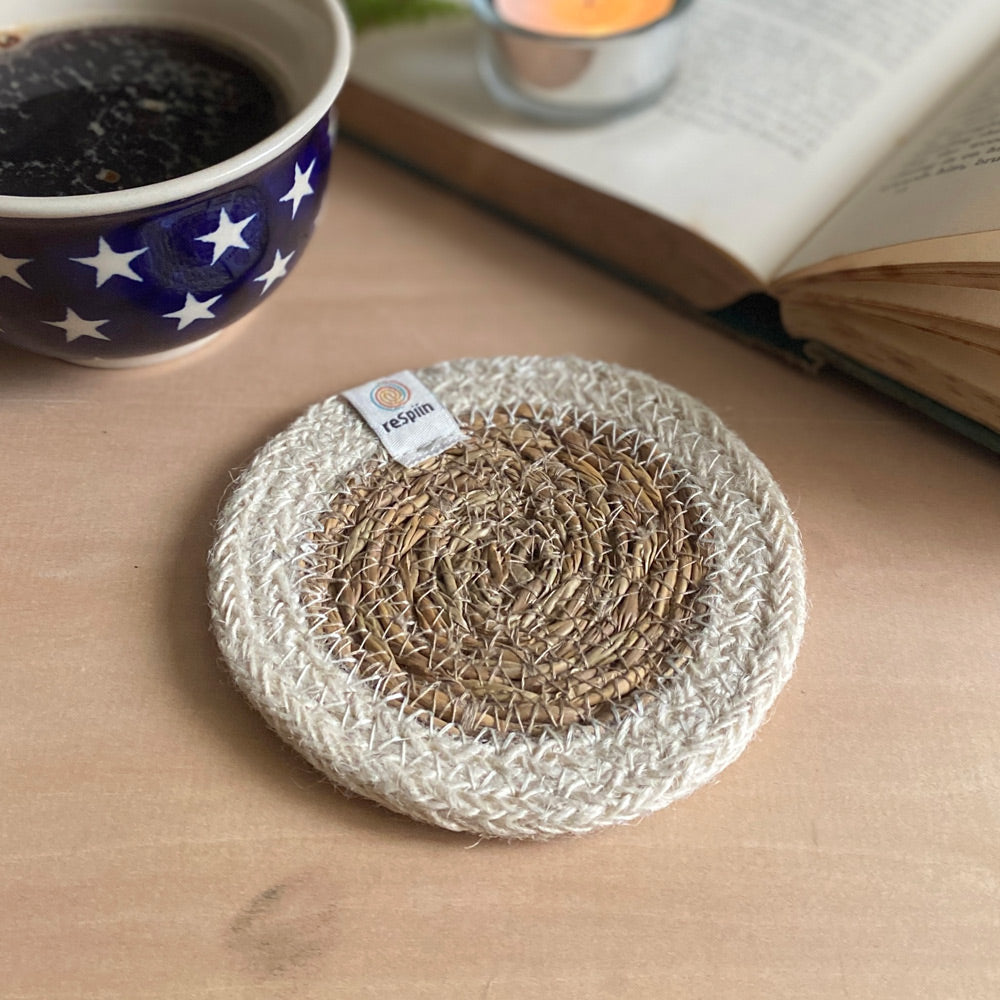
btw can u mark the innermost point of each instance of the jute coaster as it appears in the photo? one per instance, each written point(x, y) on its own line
point(574, 616)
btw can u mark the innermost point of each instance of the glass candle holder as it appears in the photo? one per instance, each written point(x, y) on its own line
point(577, 70)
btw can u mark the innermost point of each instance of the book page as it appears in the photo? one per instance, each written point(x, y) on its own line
point(943, 183)
point(778, 110)
point(951, 372)
point(957, 312)
point(941, 256)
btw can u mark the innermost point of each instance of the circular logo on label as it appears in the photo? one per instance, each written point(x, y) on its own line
point(390, 395)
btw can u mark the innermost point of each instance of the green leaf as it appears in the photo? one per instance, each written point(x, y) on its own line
point(378, 13)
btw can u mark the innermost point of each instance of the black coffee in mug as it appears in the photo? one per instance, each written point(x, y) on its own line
point(98, 109)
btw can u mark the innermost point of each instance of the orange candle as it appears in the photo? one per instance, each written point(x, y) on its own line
point(582, 18)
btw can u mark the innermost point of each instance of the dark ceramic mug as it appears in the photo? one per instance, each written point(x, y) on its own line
point(132, 277)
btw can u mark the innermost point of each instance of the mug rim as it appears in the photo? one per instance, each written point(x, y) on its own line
point(201, 181)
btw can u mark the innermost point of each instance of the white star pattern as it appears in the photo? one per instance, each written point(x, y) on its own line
point(193, 310)
point(228, 236)
point(164, 266)
point(278, 270)
point(76, 327)
point(110, 263)
point(301, 188)
point(10, 267)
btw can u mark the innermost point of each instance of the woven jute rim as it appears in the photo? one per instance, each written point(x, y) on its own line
point(577, 615)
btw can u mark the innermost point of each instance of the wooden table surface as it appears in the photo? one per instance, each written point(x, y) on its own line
point(156, 840)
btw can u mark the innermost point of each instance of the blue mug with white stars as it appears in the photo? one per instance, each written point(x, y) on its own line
point(162, 164)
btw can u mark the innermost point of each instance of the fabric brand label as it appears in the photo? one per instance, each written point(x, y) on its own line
point(408, 418)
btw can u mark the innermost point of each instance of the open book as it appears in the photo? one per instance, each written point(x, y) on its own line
point(842, 157)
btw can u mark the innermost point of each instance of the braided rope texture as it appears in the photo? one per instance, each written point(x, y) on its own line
point(578, 616)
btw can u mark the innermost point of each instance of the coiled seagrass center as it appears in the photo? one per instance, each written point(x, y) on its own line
point(539, 574)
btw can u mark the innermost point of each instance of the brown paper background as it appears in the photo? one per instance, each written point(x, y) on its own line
point(156, 840)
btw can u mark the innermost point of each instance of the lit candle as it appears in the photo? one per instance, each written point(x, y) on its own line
point(582, 18)
point(577, 61)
